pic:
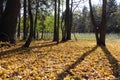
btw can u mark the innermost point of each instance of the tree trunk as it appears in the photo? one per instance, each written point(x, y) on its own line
point(58, 23)
point(24, 21)
point(35, 23)
point(96, 28)
point(100, 30)
point(64, 33)
point(37, 35)
point(55, 22)
point(8, 20)
point(27, 44)
point(103, 24)
point(65, 36)
point(1, 7)
point(19, 20)
point(68, 19)
point(67, 30)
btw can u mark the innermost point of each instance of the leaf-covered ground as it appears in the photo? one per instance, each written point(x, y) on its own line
point(72, 60)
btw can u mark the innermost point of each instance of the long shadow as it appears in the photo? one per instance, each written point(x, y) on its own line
point(63, 74)
point(21, 50)
point(113, 61)
point(3, 53)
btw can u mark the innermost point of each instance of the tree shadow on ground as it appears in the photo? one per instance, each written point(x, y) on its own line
point(66, 72)
point(22, 50)
point(113, 61)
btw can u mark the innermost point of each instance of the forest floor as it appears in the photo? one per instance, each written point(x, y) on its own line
point(72, 60)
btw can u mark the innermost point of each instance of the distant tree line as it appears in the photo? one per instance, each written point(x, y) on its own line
point(82, 22)
point(33, 18)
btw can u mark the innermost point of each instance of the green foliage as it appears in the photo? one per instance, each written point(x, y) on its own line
point(49, 23)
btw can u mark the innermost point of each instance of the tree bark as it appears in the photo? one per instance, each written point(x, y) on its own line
point(96, 28)
point(19, 20)
point(35, 23)
point(100, 30)
point(55, 22)
point(58, 23)
point(103, 24)
point(24, 21)
point(27, 44)
point(8, 20)
point(1, 7)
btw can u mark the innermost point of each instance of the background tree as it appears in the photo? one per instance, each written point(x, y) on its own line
point(36, 18)
point(24, 20)
point(55, 21)
point(111, 10)
point(19, 22)
point(31, 25)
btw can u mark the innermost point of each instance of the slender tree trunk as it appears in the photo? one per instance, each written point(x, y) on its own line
point(35, 23)
point(64, 33)
point(8, 20)
point(42, 34)
point(24, 21)
point(37, 35)
point(55, 22)
point(71, 17)
point(27, 44)
point(94, 24)
point(103, 24)
point(58, 23)
point(63, 26)
point(19, 20)
point(43, 27)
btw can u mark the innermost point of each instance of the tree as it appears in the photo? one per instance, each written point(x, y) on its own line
point(1, 7)
point(24, 21)
point(58, 21)
point(36, 17)
point(103, 24)
point(55, 21)
point(8, 21)
point(19, 21)
point(100, 30)
point(67, 20)
point(67, 16)
point(27, 44)
point(111, 20)
point(85, 18)
point(94, 23)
